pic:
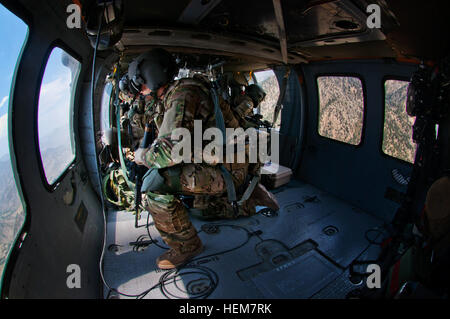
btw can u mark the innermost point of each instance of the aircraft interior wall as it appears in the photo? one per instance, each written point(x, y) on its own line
point(360, 174)
point(58, 233)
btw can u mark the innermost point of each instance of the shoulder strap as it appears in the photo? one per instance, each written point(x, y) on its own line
point(220, 124)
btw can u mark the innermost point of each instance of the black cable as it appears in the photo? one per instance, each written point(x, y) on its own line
point(139, 244)
point(210, 274)
point(175, 274)
point(379, 231)
point(249, 235)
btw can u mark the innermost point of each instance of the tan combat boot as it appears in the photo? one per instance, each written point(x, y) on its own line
point(262, 197)
point(178, 256)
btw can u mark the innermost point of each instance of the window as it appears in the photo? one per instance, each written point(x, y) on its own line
point(268, 81)
point(55, 113)
point(397, 132)
point(105, 110)
point(12, 214)
point(341, 108)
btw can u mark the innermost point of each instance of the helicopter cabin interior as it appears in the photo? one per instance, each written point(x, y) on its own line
point(343, 128)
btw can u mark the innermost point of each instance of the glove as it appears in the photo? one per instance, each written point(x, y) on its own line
point(139, 156)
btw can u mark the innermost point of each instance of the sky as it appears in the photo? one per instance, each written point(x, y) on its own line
point(13, 32)
point(263, 75)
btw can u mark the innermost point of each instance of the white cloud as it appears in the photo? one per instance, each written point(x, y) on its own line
point(54, 102)
point(4, 101)
point(54, 93)
point(264, 75)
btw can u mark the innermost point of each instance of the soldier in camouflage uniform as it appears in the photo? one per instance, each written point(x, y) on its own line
point(182, 102)
point(136, 112)
point(247, 102)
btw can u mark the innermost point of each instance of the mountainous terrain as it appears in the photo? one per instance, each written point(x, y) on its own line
point(11, 212)
point(397, 139)
point(341, 108)
point(341, 114)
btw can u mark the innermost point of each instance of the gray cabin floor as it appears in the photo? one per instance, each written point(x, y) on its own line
point(303, 252)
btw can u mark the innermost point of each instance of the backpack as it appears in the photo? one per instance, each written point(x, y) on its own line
point(117, 191)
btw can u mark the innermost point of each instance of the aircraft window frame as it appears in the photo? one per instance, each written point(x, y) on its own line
point(258, 110)
point(383, 101)
point(364, 91)
point(62, 46)
point(9, 257)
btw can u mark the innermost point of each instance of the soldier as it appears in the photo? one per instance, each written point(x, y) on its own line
point(245, 104)
point(136, 112)
point(182, 102)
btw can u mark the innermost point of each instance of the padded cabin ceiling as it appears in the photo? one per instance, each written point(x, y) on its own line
point(314, 29)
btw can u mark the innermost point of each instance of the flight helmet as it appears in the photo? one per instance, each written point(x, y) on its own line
point(256, 93)
point(124, 84)
point(154, 68)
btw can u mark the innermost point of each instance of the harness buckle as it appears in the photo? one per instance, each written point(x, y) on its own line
point(235, 206)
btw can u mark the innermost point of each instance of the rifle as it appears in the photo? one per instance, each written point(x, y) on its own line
point(256, 119)
point(140, 171)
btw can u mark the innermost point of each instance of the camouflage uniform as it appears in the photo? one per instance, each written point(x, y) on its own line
point(184, 101)
point(143, 110)
point(235, 117)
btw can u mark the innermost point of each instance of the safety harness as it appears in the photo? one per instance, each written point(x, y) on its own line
point(154, 181)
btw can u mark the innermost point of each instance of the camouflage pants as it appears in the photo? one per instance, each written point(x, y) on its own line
point(209, 189)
